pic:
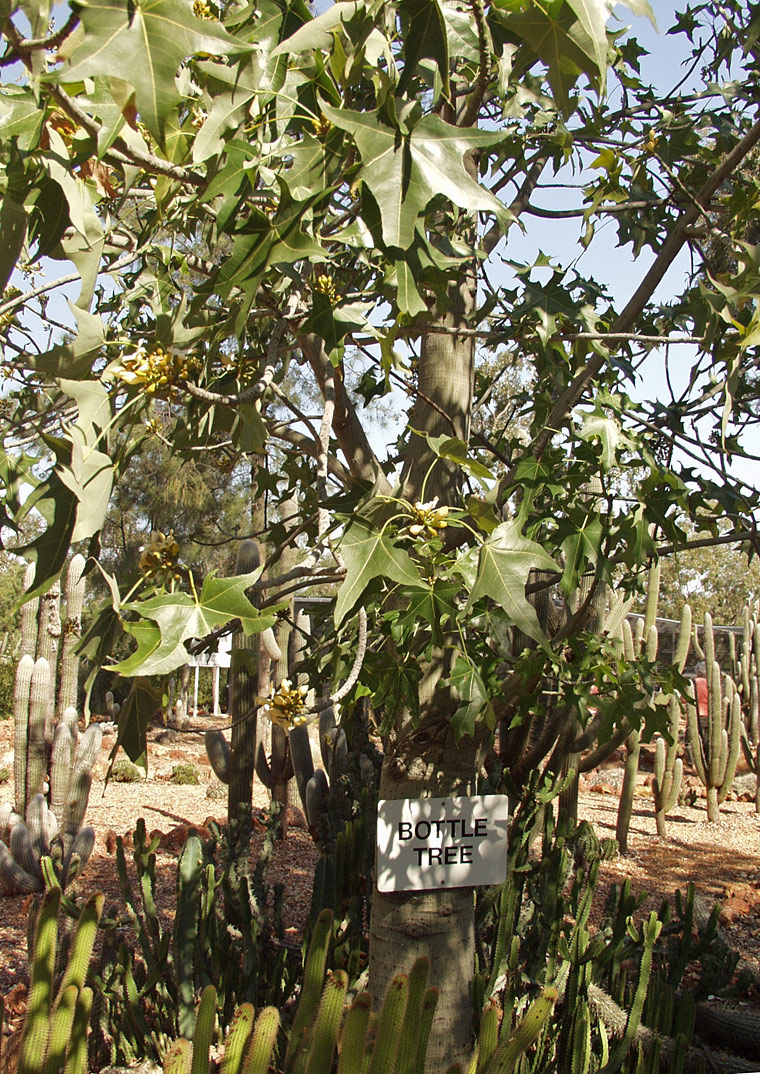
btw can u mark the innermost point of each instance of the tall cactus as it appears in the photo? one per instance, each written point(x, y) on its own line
point(52, 762)
point(646, 639)
point(54, 1036)
point(715, 744)
point(668, 766)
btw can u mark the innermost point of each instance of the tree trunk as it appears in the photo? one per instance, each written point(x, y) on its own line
point(426, 761)
point(440, 923)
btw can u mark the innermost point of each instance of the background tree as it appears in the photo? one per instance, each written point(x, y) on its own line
point(244, 191)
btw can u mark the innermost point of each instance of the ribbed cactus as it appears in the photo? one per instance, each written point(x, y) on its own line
point(52, 762)
point(748, 677)
point(54, 1036)
point(668, 766)
point(715, 738)
point(393, 1042)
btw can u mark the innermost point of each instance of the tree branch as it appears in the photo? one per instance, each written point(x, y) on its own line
point(636, 304)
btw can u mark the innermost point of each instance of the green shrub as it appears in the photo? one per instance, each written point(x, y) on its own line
point(5, 775)
point(125, 772)
point(184, 774)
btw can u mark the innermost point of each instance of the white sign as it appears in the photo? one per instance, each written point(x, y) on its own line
point(441, 842)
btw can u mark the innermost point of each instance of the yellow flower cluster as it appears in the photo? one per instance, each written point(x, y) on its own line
point(201, 10)
point(157, 370)
point(429, 519)
point(322, 125)
point(325, 285)
point(285, 706)
point(160, 556)
point(8, 294)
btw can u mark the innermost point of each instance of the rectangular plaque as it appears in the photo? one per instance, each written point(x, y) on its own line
point(441, 842)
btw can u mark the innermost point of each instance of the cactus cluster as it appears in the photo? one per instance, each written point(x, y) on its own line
point(715, 737)
point(54, 1036)
point(52, 762)
point(747, 673)
point(393, 1041)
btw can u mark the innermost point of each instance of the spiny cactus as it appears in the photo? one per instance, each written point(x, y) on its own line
point(54, 1036)
point(668, 766)
point(715, 744)
point(394, 1041)
point(52, 761)
point(747, 670)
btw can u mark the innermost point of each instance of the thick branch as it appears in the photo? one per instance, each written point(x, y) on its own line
point(361, 459)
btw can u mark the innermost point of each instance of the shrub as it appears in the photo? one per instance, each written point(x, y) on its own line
point(5, 775)
point(183, 774)
point(125, 772)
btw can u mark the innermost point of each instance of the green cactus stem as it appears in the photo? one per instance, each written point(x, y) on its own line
point(55, 1030)
point(72, 632)
point(715, 744)
point(668, 769)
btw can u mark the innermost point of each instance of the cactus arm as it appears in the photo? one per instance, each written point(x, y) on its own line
point(29, 612)
point(488, 1038)
point(237, 1038)
point(84, 940)
point(303, 764)
point(351, 1048)
point(185, 931)
point(13, 878)
point(35, 1034)
point(733, 736)
point(407, 1048)
point(259, 1057)
point(527, 1032)
point(324, 1033)
point(429, 1004)
point(697, 746)
point(79, 787)
point(204, 1031)
point(76, 1056)
point(72, 632)
point(179, 1057)
point(61, 1022)
point(21, 695)
point(390, 1026)
point(61, 758)
point(78, 855)
point(650, 932)
point(314, 974)
point(684, 638)
point(39, 694)
point(317, 791)
point(22, 850)
point(263, 771)
point(218, 753)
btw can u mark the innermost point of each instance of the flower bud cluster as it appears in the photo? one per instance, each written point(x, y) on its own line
point(157, 370)
point(429, 518)
point(160, 556)
point(285, 706)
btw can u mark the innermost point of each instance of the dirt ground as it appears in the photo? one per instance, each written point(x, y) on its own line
point(722, 859)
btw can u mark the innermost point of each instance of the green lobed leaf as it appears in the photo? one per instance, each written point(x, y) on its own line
point(170, 619)
point(369, 553)
point(506, 560)
point(474, 699)
point(424, 36)
point(144, 42)
point(404, 173)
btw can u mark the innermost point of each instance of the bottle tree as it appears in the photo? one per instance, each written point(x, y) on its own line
point(264, 219)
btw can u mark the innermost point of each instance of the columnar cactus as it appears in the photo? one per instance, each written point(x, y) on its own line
point(52, 762)
point(715, 744)
point(54, 1036)
point(668, 766)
